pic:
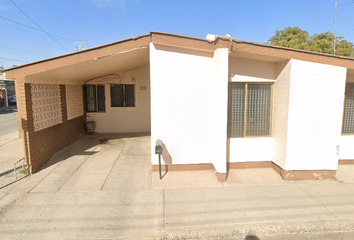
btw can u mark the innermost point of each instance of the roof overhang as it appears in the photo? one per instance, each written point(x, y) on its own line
point(81, 66)
point(82, 72)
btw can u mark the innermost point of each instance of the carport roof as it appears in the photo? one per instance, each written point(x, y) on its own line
point(78, 67)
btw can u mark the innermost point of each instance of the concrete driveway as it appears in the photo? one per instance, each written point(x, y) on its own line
point(102, 187)
point(98, 187)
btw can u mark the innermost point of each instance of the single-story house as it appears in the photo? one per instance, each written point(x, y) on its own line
point(216, 103)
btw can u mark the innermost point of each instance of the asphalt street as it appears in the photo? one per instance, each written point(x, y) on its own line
point(8, 120)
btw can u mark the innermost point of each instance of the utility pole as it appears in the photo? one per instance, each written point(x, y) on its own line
point(80, 42)
point(335, 28)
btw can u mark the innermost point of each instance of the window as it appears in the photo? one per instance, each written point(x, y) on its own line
point(123, 95)
point(249, 109)
point(348, 116)
point(95, 98)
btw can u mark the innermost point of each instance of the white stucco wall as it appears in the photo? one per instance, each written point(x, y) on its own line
point(315, 116)
point(281, 89)
point(126, 119)
point(251, 149)
point(346, 150)
point(188, 105)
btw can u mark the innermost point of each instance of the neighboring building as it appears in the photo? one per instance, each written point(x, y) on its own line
point(7, 88)
point(215, 103)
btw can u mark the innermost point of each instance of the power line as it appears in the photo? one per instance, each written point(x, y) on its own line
point(23, 51)
point(346, 4)
point(71, 39)
point(15, 60)
point(39, 26)
point(29, 31)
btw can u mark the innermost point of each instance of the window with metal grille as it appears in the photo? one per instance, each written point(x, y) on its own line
point(95, 98)
point(249, 109)
point(348, 116)
point(123, 95)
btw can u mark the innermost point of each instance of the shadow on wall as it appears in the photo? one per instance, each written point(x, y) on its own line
point(251, 237)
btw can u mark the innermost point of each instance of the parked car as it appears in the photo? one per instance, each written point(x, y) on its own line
point(11, 99)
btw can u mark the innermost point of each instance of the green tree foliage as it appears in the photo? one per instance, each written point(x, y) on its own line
point(291, 37)
point(294, 37)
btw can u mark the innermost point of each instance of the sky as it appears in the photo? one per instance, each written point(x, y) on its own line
point(98, 22)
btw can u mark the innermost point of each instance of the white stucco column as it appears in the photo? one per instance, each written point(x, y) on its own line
point(221, 68)
point(308, 109)
point(189, 105)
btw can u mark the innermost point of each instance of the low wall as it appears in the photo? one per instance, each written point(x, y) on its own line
point(40, 146)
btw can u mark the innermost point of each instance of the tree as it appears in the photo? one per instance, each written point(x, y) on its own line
point(300, 39)
point(322, 43)
point(290, 37)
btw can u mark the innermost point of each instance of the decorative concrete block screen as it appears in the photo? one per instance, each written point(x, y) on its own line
point(46, 105)
point(74, 101)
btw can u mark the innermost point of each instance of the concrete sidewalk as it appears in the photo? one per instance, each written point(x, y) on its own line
point(102, 187)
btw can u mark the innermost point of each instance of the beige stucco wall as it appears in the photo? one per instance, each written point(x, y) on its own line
point(281, 90)
point(250, 70)
point(126, 119)
point(350, 78)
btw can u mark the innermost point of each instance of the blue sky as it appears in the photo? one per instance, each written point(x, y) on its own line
point(99, 22)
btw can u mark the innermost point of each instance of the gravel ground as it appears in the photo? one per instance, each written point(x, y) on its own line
point(339, 229)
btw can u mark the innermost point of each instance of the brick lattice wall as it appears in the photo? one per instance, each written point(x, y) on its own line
point(44, 143)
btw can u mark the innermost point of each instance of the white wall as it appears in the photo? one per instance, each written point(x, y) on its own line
point(315, 116)
point(221, 68)
point(346, 150)
point(251, 149)
point(126, 119)
point(188, 105)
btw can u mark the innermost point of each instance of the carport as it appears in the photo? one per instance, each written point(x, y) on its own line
point(52, 97)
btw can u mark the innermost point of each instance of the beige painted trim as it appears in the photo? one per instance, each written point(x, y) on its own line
point(247, 165)
point(245, 114)
point(222, 177)
point(184, 167)
point(346, 161)
point(304, 174)
point(286, 175)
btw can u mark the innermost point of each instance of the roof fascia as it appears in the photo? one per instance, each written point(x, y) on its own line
point(85, 51)
point(179, 41)
point(291, 53)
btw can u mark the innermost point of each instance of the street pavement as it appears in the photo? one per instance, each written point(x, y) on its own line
point(102, 187)
point(8, 120)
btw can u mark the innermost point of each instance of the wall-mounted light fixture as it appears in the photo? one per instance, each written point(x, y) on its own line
point(133, 80)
